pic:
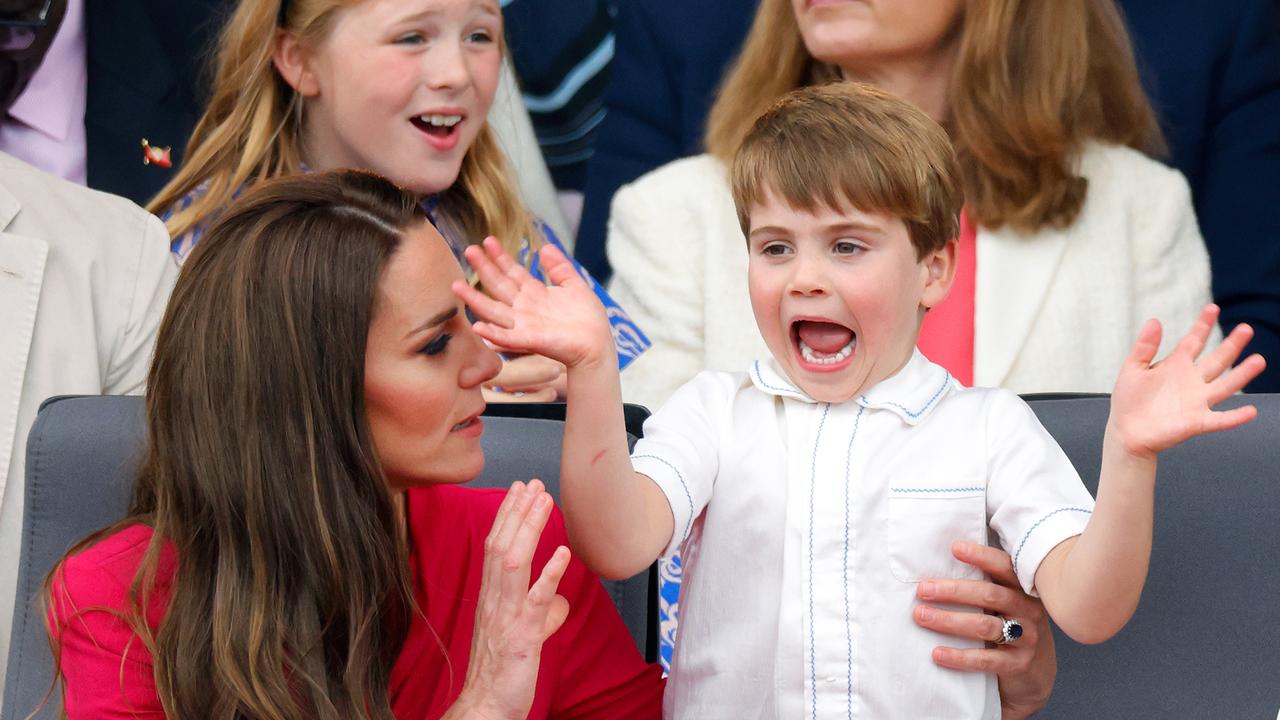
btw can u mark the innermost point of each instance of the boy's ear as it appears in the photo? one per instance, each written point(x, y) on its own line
point(940, 273)
point(293, 62)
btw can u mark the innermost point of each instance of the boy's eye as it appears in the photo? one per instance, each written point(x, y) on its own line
point(437, 344)
point(775, 249)
point(846, 247)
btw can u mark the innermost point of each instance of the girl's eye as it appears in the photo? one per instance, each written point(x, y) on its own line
point(480, 37)
point(411, 39)
point(437, 345)
point(846, 247)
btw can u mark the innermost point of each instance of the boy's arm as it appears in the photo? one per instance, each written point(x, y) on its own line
point(1091, 584)
point(618, 520)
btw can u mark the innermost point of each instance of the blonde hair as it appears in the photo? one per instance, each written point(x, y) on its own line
point(852, 144)
point(252, 131)
point(1033, 81)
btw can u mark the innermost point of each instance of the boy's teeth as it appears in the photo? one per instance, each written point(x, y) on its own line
point(813, 356)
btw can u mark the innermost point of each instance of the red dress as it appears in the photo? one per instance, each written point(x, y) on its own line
point(590, 668)
point(946, 336)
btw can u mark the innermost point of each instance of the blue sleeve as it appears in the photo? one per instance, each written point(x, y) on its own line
point(628, 338)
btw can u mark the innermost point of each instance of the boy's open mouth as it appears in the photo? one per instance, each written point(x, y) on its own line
point(823, 343)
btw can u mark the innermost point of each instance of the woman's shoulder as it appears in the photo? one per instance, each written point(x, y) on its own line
point(1126, 171)
point(101, 573)
point(464, 510)
point(689, 178)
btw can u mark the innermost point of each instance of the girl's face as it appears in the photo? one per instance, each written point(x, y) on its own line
point(864, 37)
point(424, 368)
point(401, 88)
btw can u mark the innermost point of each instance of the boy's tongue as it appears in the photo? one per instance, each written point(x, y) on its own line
point(823, 337)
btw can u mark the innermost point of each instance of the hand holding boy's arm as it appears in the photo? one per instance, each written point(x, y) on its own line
point(618, 521)
point(1091, 584)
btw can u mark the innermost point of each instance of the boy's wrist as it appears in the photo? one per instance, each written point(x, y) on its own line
point(1116, 442)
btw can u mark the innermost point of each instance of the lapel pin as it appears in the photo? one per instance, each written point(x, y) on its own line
point(155, 155)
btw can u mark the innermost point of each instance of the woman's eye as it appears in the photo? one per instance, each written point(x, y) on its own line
point(437, 345)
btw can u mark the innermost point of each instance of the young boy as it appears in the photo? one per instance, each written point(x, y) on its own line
point(811, 493)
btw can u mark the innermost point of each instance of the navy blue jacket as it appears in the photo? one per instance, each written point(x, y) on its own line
point(1211, 67)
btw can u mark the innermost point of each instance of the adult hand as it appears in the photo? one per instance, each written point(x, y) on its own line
point(1026, 668)
point(512, 618)
point(526, 378)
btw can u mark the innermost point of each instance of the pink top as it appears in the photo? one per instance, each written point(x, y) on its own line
point(45, 126)
point(590, 667)
point(946, 337)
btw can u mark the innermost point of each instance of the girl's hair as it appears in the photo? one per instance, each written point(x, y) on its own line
point(292, 595)
point(251, 130)
point(1033, 81)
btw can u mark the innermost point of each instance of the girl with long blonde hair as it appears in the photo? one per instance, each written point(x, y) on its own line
point(401, 89)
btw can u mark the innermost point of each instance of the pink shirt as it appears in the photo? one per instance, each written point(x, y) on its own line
point(946, 337)
point(589, 669)
point(45, 126)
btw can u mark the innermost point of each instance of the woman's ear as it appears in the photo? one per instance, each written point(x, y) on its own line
point(940, 273)
point(293, 62)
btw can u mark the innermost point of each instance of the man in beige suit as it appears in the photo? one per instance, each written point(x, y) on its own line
point(84, 277)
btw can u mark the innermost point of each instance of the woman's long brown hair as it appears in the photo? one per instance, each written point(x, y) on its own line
point(1034, 80)
point(292, 596)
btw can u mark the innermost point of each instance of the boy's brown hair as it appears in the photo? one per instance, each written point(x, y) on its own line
point(849, 144)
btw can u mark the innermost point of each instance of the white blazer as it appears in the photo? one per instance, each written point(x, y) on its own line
point(1055, 311)
point(84, 277)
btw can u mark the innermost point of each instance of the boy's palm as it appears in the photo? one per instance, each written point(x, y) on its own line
point(564, 321)
point(1156, 406)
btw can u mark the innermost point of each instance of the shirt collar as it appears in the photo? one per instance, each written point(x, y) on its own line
point(911, 393)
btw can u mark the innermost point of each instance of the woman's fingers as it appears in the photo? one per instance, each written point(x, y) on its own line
point(969, 625)
point(548, 608)
point(992, 561)
point(986, 660)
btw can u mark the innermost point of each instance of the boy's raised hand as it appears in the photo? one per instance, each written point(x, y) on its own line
point(1157, 405)
point(564, 321)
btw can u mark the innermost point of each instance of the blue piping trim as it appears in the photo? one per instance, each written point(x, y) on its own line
point(1027, 535)
point(813, 479)
point(916, 414)
point(938, 490)
point(755, 367)
point(848, 625)
point(688, 524)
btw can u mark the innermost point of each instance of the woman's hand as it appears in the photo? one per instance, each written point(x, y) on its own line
point(512, 618)
point(1025, 668)
point(526, 378)
point(563, 321)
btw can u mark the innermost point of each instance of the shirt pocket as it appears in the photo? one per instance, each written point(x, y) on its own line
point(924, 521)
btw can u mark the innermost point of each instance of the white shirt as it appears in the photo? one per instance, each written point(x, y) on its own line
point(800, 577)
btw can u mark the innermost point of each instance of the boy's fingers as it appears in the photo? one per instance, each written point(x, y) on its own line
point(1228, 419)
point(1147, 344)
point(558, 268)
point(1235, 379)
point(527, 372)
point(513, 272)
point(1224, 356)
point(485, 307)
point(497, 334)
point(1194, 341)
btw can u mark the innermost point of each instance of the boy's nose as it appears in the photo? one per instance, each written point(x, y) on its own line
point(808, 278)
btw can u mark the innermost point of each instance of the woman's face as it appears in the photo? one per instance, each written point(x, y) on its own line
point(401, 88)
point(864, 37)
point(424, 368)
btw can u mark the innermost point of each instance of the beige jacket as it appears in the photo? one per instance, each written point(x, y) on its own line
point(1057, 311)
point(84, 277)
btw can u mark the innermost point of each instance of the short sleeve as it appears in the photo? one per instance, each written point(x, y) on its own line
point(1035, 498)
point(680, 448)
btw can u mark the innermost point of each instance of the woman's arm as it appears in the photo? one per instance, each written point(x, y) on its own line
point(513, 620)
point(1025, 668)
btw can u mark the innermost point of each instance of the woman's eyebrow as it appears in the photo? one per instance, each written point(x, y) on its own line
point(438, 319)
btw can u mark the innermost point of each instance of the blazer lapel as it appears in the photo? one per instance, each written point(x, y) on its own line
point(22, 261)
point(1014, 272)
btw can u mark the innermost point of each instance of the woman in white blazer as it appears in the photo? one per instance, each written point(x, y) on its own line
point(1080, 237)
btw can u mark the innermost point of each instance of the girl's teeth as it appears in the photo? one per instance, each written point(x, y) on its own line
point(811, 355)
point(441, 120)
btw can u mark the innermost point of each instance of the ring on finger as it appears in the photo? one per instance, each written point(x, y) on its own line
point(1010, 630)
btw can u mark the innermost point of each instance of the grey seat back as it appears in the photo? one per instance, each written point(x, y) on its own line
point(1204, 642)
point(82, 455)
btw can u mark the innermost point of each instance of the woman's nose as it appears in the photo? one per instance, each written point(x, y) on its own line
point(482, 365)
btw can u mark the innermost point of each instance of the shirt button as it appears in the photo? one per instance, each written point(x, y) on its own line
point(830, 679)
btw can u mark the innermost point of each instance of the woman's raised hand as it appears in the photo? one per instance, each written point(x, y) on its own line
point(512, 619)
point(563, 321)
point(1157, 405)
